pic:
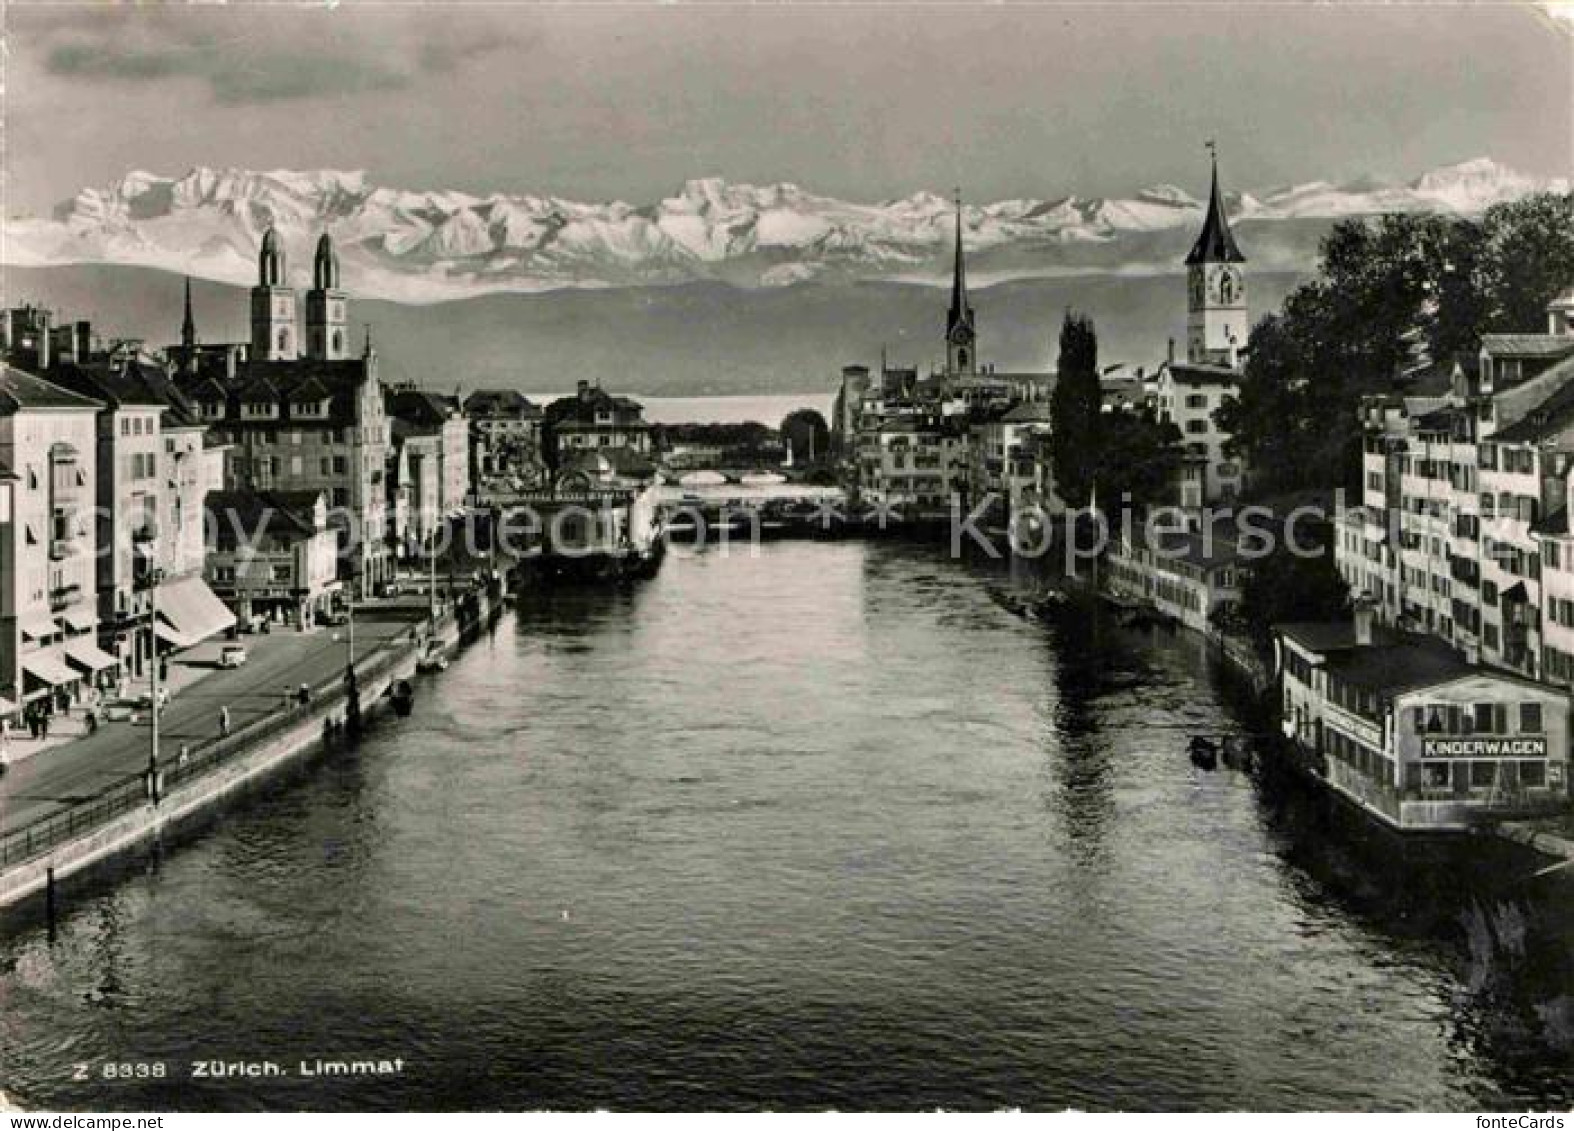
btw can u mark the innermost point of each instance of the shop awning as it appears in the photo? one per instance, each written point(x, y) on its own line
point(178, 639)
point(191, 609)
point(48, 668)
point(7, 707)
point(89, 656)
point(39, 626)
point(80, 620)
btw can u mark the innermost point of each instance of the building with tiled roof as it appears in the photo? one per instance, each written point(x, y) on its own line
point(592, 418)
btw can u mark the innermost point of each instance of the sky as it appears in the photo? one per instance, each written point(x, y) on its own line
point(861, 101)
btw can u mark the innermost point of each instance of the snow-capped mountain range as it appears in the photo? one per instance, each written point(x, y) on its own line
point(420, 247)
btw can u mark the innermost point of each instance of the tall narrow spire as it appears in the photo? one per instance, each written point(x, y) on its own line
point(959, 333)
point(188, 325)
point(959, 308)
point(1216, 244)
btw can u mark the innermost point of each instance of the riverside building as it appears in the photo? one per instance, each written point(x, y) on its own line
point(1465, 499)
point(48, 543)
point(1405, 728)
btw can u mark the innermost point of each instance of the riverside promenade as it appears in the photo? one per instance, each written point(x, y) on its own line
point(75, 803)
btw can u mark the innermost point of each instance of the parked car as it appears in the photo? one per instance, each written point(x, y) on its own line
point(232, 655)
point(119, 710)
point(433, 658)
point(334, 618)
point(144, 700)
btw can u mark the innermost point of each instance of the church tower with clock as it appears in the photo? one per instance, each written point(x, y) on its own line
point(1216, 311)
point(961, 340)
point(272, 305)
point(327, 308)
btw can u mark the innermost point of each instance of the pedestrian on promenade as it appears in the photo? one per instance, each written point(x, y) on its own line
point(287, 697)
point(181, 761)
point(43, 726)
point(224, 721)
point(304, 695)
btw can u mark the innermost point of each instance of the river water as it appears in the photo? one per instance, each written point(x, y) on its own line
point(825, 827)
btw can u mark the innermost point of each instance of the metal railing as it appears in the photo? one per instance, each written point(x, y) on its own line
point(37, 838)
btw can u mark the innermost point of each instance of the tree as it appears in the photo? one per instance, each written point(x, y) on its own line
point(1284, 587)
point(1352, 330)
point(1075, 410)
point(1139, 461)
point(806, 435)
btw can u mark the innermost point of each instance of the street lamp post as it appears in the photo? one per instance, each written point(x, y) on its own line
point(352, 691)
point(431, 583)
point(155, 577)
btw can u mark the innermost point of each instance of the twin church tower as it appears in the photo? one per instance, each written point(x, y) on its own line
point(274, 332)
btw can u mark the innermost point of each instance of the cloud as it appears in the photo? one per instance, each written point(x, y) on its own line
point(257, 76)
point(255, 57)
point(1560, 13)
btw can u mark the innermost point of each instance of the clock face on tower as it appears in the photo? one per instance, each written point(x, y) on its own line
point(962, 336)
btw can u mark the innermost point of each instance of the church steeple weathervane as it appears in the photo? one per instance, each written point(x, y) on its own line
point(960, 336)
point(1216, 312)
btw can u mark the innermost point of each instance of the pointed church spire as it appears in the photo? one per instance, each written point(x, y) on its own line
point(1216, 244)
point(959, 308)
point(959, 334)
point(188, 325)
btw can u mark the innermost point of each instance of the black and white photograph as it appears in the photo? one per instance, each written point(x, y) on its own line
point(802, 557)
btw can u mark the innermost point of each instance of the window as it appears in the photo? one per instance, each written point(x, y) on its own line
point(1197, 400)
point(341, 497)
point(1553, 553)
point(1533, 774)
point(1530, 718)
point(327, 466)
point(340, 465)
point(1195, 427)
point(1483, 774)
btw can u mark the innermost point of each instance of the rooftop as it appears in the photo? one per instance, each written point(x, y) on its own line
point(1186, 373)
point(20, 391)
point(1527, 345)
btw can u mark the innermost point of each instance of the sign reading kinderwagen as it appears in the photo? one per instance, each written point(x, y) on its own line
point(1484, 747)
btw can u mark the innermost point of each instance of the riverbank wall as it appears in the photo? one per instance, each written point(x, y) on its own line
point(102, 828)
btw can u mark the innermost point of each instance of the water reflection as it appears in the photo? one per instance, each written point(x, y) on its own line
point(826, 827)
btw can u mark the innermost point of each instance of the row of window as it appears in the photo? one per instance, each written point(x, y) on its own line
point(1476, 718)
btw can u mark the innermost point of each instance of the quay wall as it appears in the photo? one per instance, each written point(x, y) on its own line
point(271, 751)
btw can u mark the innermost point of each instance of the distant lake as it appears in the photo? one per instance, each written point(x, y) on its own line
point(766, 409)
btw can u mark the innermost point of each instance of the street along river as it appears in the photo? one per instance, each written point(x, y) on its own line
point(825, 827)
